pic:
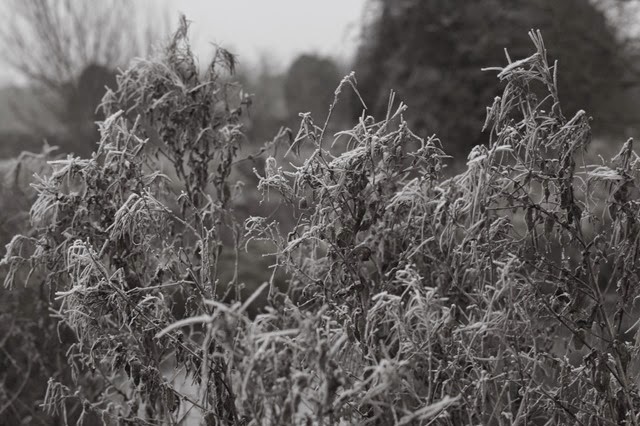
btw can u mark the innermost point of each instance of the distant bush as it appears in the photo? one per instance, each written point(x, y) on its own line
point(308, 85)
point(410, 299)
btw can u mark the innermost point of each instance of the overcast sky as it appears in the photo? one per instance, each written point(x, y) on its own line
point(276, 30)
point(280, 29)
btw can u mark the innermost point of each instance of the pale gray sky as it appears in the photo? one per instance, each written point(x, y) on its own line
point(278, 29)
point(271, 30)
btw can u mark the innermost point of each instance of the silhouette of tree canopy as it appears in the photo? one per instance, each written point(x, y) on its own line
point(310, 84)
point(432, 51)
point(82, 101)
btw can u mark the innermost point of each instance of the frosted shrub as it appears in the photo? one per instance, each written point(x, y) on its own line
point(410, 299)
point(447, 295)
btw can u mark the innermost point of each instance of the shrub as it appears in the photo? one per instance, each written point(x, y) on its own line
point(410, 299)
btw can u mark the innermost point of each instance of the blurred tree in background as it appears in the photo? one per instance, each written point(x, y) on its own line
point(431, 52)
point(69, 51)
point(81, 110)
point(278, 97)
point(268, 111)
point(309, 85)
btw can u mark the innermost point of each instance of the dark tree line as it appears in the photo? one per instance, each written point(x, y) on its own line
point(431, 52)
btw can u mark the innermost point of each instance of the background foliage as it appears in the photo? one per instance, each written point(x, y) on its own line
point(430, 53)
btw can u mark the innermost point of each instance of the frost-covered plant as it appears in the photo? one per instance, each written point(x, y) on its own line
point(30, 350)
point(411, 298)
point(126, 251)
point(459, 293)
